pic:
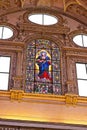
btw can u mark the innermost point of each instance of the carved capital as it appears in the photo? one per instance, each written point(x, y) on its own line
point(16, 94)
point(71, 99)
point(18, 82)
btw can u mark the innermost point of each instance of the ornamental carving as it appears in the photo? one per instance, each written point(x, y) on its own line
point(78, 10)
point(18, 82)
point(50, 30)
point(3, 19)
point(83, 3)
point(16, 94)
point(4, 4)
point(22, 3)
point(71, 99)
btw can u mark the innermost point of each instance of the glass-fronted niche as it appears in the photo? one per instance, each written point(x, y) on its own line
point(43, 67)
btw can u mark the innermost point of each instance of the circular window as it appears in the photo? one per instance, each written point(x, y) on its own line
point(5, 32)
point(43, 19)
point(81, 40)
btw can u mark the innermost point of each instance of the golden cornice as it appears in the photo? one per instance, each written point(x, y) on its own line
point(21, 96)
point(4, 94)
point(16, 95)
point(71, 99)
point(44, 97)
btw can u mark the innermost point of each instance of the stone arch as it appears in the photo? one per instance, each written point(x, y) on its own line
point(42, 36)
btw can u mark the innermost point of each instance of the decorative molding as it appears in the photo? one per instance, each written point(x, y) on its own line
point(44, 29)
point(18, 82)
point(71, 99)
point(12, 43)
point(20, 3)
point(16, 95)
point(67, 3)
point(83, 3)
point(36, 125)
point(11, 46)
point(4, 4)
point(76, 56)
point(6, 49)
point(78, 11)
point(75, 49)
point(21, 96)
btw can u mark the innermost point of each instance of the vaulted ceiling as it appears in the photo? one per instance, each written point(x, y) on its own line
point(77, 9)
point(71, 14)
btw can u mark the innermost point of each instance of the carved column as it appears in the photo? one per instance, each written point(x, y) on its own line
point(70, 82)
point(19, 64)
point(18, 79)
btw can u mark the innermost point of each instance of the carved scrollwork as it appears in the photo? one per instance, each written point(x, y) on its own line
point(16, 95)
point(71, 99)
point(67, 3)
point(4, 4)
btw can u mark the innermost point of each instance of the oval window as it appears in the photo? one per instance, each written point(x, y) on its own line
point(5, 32)
point(43, 19)
point(80, 40)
